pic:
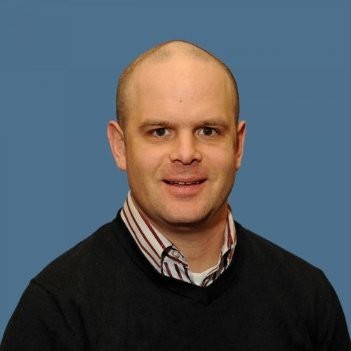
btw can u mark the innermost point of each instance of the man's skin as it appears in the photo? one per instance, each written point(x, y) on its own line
point(181, 147)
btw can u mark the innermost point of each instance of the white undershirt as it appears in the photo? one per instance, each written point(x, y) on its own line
point(199, 277)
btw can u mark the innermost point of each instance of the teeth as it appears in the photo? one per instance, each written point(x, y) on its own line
point(184, 183)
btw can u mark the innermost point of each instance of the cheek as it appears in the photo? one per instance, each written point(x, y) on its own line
point(143, 161)
point(222, 159)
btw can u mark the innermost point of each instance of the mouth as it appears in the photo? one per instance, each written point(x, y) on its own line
point(184, 182)
point(184, 188)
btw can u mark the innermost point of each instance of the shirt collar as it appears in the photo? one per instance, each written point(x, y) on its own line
point(155, 246)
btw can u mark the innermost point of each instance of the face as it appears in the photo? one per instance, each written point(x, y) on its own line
point(181, 147)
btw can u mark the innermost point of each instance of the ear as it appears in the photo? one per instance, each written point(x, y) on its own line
point(240, 141)
point(117, 144)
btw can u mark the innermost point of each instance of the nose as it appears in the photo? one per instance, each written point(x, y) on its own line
point(185, 149)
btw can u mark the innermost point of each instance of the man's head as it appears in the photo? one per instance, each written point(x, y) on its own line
point(178, 136)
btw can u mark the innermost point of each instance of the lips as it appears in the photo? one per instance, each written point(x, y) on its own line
point(184, 188)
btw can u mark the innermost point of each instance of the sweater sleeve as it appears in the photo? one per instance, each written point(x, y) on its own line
point(332, 333)
point(44, 320)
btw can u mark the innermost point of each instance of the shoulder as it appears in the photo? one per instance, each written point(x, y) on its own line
point(280, 265)
point(92, 259)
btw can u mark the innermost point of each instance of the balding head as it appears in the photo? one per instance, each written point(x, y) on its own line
point(160, 54)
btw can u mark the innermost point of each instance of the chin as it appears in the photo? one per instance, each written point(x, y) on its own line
point(186, 219)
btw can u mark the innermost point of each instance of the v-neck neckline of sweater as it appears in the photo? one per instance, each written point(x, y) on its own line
point(203, 295)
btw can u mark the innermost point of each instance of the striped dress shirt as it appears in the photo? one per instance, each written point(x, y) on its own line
point(165, 257)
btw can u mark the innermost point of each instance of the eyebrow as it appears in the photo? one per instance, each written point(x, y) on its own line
point(155, 123)
point(166, 123)
point(214, 122)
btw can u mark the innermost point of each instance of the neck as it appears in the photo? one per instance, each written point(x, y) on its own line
point(201, 245)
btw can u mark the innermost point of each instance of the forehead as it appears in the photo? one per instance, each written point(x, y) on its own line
point(180, 77)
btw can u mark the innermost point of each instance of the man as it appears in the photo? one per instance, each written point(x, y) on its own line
point(174, 271)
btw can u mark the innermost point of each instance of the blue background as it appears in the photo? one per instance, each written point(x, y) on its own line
point(59, 64)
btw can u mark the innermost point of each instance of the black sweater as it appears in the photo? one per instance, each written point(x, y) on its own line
point(104, 295)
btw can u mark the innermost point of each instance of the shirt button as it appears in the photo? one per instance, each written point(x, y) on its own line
point(176, 254)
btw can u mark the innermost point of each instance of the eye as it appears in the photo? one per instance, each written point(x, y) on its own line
point(160, 132)
point(208, 131)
